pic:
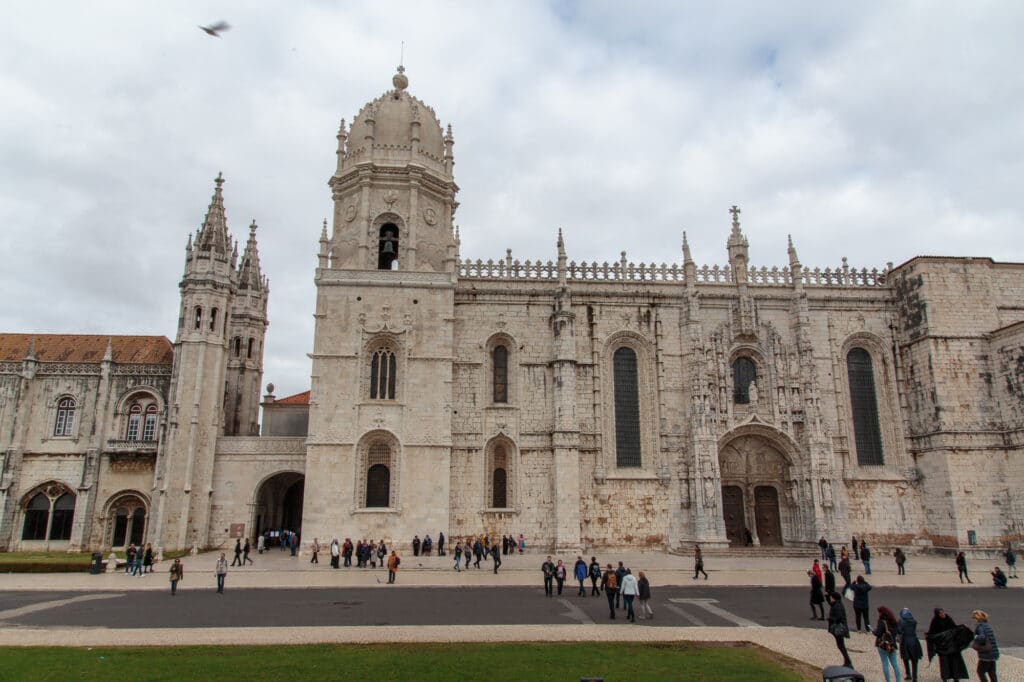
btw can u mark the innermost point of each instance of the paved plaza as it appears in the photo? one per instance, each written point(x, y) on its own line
point(283, 599)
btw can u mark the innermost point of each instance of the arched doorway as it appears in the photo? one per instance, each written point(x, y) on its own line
point(126, 520)
point(279, 503)
point(753, 472)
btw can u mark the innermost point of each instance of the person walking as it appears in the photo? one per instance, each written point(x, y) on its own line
point(630, 589)
point(393, 563)
point(985, 644)
point(910, 645)
point(548, 569)
point(644, 595)
point(942, 642)
point(246, 549)
point(458, 556)
point(580, 572)
point(901, 561)
point(961, 568)
point(860, 589)
point(221, 572)
point(177, 575)
point(830, 580)
point(137, 568)
point(816, 570)
point(238, 553)
point(314, 551)
point(855, 547)
point(522, 543)
point(346, 552)
point(129, 559)
point(560, 576)
point(610, 585)
point(823, 545)
point(496, 557)
point(845, 570)
point(467, 553)
point(620, 573)
point(885, 642)
point(865, 557)
point(817, 597)
point(595, 575)
point(147, 559)
point(830, 554)
point(837, 625)
point(440, 543)
point(698, 562)
point(261, 543)
point(1011, 562)
point(335, 553)
point(382, 553)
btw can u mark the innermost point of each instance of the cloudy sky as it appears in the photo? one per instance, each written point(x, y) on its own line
point(876, 131)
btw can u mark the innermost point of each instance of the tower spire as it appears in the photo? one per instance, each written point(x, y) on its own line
point(249, 275)
point(213, 235)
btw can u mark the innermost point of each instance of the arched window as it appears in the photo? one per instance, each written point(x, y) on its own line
point(382, 375)
point(49, 515)
point(864, 405)
point(149, 425)
point(238, 346)
point(499, 360)
point(499, 478)
point(248, 353)
point(63, 515)
point(64, 425)
point(37, 518)
point(128, 525)
point(213, 320)
point(387, 252)
point(627, 408)
point(378, 476)
point(134, 422)
point(744, 373)
point(199, 317)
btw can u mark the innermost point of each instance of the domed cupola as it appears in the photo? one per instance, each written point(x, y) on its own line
point(396, 129)
point(393, 190)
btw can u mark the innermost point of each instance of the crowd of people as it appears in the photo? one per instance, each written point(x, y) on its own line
point(619, 585)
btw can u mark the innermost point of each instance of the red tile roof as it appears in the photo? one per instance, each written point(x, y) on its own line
point(297, 399)
point(128, 350)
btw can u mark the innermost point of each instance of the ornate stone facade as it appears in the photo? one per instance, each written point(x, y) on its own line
point(580, 404)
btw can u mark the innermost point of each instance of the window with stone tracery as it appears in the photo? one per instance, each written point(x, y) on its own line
point(49, 514)
point(498, 492)
point(744, 373)
point(627, 408)
point(864, 405)
point(142, 414)
point(383, 370)
point(378, 475)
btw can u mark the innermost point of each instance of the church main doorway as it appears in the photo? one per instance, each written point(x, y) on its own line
point(279, 504)
point(753, 471)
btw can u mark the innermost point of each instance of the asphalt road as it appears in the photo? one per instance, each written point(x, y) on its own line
point(697, 605)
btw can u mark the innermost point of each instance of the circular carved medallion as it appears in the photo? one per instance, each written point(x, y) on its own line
point(430, 216)
point(350, 213)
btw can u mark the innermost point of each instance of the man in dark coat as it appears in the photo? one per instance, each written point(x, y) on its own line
point(416, 545)
point(817, 597)
point(548, 569)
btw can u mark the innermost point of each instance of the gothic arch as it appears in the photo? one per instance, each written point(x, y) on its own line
point(754, 354)
point(646, 400)
point(500, 453)
point(125, 519)
point(53, 517)
point(277, 502)
point(382, 367)
point(376, 448)
point(886, 398)
point(511, 385)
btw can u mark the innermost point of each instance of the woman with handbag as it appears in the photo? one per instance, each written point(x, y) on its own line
point(838, 627)
point(985, 644)
point(885, 642)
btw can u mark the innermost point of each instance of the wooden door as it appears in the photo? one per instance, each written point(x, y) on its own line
point(732, 509)
point(766, 512)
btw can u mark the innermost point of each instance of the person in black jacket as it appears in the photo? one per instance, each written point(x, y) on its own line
point(845, 570)
point(838, 627)
point(961, 567)
point(830, 580)
point(817, 597)
point(860, 589)
point(595, 575)
point(910, 645)
point(610, 585)
point(942, 641)
point(548, 569)
point(645, 597)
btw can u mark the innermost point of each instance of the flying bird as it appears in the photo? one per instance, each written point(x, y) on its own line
point(215, 29)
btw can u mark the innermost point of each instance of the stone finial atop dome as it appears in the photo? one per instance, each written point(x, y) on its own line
point(400, 80)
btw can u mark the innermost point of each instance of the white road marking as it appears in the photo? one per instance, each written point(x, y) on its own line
point(678, 611)
point(576, 613)
point(709, 606)
point(55, 604)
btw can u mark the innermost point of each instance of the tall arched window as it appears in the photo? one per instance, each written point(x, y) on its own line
point(49, 515)
point(864, 405)
point(499, 360)
point(149, 425)
point(65, 422)
point(378, 476)
point(627, 408)
point(744, 373)
point(37, 518)
point(252, 344)
point(199, 317)
point(382, 375)
point(213, 320)
point(499, 478)
point(238, 346)
point(134, 422)
point(63, 515)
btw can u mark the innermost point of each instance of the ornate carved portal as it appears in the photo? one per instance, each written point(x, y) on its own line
point(753, 473)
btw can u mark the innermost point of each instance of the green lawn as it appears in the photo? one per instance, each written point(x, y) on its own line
point(443, 662)
point(39, 557)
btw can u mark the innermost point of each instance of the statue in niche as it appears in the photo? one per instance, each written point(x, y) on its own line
point(826, 492)
point(709, 492)
point(753, 393)
point(684, 493)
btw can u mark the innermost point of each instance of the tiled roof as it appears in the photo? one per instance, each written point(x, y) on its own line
point(297, 399)
point(128, 350)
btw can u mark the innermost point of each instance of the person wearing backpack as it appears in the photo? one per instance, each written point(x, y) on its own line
point(610, 585)
point(595, 575)
point(579, 571)
point(885, 642)
point(620, 573)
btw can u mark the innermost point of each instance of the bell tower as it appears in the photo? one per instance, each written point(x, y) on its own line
point(379, 444)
